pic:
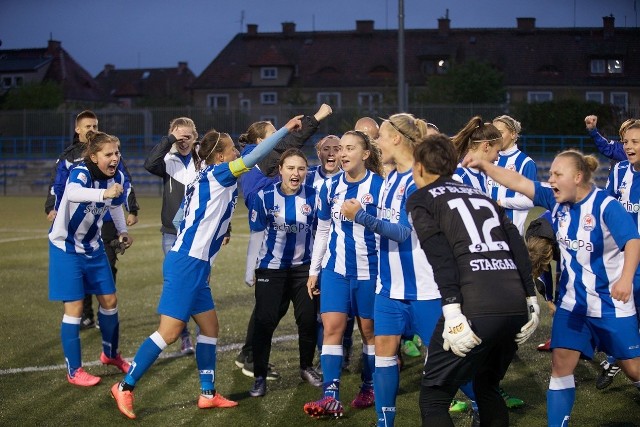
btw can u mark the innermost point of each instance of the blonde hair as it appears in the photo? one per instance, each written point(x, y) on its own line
point(184, 122)
point(585, 165)
point(407, 126)
point(540, 254)
point(629, 124)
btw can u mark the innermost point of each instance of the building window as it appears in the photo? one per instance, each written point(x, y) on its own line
point(11, 81)
point(245, 105)
point(435, 66)
point(533, 97)
point(268, 98)
point(606, 66)
point(620, 100)
point(218, 101)
point(595, 97)
point(269, 73)
point(331, 98)
point(370, 100)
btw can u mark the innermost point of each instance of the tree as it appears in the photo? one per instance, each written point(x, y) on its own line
point(565, 117)
point(471, 82)
point(34, 96)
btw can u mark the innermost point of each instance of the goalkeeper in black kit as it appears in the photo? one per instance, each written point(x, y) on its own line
point(483, 273)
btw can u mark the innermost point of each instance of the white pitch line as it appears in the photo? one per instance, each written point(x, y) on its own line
point(173, 355)
point(44, 236)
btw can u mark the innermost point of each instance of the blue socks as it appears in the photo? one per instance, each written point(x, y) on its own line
point(368, 365)
point(386, 380)
point(560, 398)
point(148, 352)
point(206, 361)
point(110, 330)
point(331, 362)
point(70, 336)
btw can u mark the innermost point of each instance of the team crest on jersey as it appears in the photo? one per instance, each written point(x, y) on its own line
point(622, 188)
point(367, 199)
point(511, 167)
point(400, 194)
point(82, 177)
point(588, 222)
point(305, 209)
point(562, 218)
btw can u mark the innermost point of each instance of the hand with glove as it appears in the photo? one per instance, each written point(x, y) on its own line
point(457, 333)
point(534, 319)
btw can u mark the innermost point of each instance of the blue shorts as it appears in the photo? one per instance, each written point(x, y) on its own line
point(406, 317)
point(72, 276)
point(351, 296)
point(616, 336)
point(185, 291)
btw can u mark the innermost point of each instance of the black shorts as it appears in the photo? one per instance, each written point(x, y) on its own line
point(494, 354)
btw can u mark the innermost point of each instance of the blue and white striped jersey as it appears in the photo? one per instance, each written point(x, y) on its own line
point(591, 235)
point(352, 249)
point(208, 206)
point(472, 177)
point(316, 177)
point(404, 272)
point(517, 161)
point(624, 185)
point(76, 228)
point(288, 222)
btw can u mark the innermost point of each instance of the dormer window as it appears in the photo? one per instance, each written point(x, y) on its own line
point(268, 73)
point(604, 66)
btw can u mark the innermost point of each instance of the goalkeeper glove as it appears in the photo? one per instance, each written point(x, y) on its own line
point(534, 319)
point(457, 333)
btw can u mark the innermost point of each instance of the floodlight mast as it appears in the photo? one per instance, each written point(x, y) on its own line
point(402, 102)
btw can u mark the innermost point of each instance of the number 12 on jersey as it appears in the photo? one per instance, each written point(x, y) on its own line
point(479, 242)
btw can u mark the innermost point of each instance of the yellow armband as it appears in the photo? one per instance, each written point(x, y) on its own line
point(237, 167)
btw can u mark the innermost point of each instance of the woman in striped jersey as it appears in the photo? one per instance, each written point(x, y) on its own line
point(407, 299)
point(282, 220)
point(624, 185)
point(347, 253)
point(209, 203)
point(600, 250)
point(511, 158)
point(78, 264)
point(479, 140)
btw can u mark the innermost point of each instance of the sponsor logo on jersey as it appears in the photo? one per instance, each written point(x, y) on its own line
point(390, 213)
point(292, 228)
point(492, 264)
point(305, 209)
point(82, 177)
point(588, 222)
point(275, 210)
point(576, 244)
point(630, 207)
point(95, 210)
point(367, 199)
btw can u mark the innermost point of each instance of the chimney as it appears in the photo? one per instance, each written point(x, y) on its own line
point(108, 68)
point(288, 28)
point(53, 47)
point(182, 67)
point(364, 26)
point(444, 25)
point(252, 29)
point(608, 23)
point(526, 25)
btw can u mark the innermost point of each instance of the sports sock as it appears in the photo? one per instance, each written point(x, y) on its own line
point(368, 365)
point(560, 398)
point(70, 336)
point(331, 363)
point(386, 380)
point(467, 389)
point(148, 352)
point(110, 330)
point(206, 361)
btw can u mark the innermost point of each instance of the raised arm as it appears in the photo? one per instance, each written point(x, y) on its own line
point(508, 178)
point(611, 149)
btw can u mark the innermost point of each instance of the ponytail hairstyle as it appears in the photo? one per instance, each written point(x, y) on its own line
point(184, 122)
point(95, 142)
point(374, 161)
point(406, 125)
point(629, 124)
point(512, 124)
point(212, 143)
point(292, 152)
point(474, 133)
point(437, 155)
point(585, 165)
point(257, 130)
